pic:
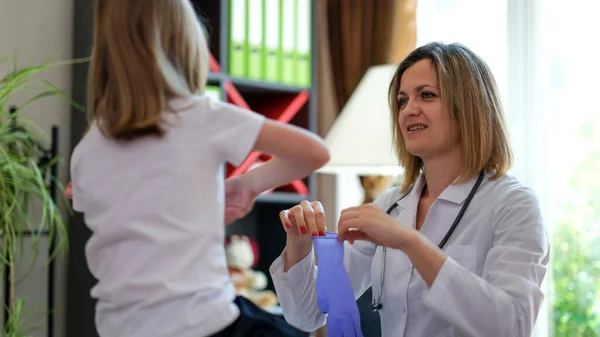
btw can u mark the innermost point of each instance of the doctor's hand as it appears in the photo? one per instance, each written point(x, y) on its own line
point(239, 199)
point(303, 221)
point(369, 222)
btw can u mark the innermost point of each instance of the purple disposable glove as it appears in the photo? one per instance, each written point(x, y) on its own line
point(335, 296)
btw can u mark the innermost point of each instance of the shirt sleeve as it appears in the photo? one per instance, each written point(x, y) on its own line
point(506, 299)
point(78, 204)
point(296, 289)
point(235, 130)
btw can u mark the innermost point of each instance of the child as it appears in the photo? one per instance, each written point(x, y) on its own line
point(148, 175)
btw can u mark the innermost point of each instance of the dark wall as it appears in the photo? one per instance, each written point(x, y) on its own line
point(80, 305)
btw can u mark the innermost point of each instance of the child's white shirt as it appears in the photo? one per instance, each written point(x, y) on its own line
point(155, 207)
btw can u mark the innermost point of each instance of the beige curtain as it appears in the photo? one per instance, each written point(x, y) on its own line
point(404, 31)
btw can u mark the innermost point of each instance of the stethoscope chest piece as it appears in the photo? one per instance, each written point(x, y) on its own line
point(376, 307)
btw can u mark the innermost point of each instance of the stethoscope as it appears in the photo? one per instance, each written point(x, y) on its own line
point(376, 304)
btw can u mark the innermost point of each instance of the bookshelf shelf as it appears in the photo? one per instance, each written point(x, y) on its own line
point(258, 86)
point(215, 78)
point(280, 198)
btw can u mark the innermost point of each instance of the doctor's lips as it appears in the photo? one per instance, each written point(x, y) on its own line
point(415, 127)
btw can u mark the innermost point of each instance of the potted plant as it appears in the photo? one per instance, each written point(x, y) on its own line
point(24, 183)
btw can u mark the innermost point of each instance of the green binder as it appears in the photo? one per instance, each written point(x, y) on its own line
point(213, 91)
point(288, 26)
point(255, 38)
point(272, 38)
point(238, 46)
point(303, 43)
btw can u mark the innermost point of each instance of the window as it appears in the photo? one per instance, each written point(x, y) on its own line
point(544, 59)
point(479, 25)
point(570, 102)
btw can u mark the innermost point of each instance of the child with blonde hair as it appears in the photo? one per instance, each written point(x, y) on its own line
point(149, 177)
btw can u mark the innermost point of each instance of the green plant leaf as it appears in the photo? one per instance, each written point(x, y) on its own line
point(24, 179)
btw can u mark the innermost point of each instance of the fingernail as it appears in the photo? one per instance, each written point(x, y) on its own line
point(313, 233)
point(322, 233)
point(303, 230)
point(288, 225)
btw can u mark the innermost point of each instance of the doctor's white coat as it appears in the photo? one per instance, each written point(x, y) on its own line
point(489, 285)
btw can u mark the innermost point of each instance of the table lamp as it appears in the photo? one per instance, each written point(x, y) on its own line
point(360, 140)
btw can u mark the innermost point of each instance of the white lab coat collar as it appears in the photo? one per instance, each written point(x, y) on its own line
point(458, 193)
point(455, 193)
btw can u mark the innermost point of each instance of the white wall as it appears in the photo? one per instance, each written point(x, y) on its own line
point(37, 31)
point(349, 193)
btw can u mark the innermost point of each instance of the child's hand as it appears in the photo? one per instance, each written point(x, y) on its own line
point(239, 199)
point(69, 190)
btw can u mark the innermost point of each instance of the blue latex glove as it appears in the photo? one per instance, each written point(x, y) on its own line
point(335, 296)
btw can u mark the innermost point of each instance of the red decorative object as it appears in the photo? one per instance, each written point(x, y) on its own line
point(234, 96)
point(213, 64)
point(283, 108)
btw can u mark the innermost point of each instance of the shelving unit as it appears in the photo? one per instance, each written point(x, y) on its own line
point(292, 104)
point(282, 102)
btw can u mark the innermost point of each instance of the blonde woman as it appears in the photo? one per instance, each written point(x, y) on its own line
point(460, 248)
point(148, 177)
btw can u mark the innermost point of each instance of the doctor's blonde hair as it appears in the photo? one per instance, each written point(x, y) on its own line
point(144, 53)
point(471, 98)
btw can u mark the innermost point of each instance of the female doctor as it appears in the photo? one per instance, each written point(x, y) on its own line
point(460, 248)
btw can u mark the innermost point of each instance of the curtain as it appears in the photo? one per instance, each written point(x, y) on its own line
point(327, 108)
point(359, 35)
point(353, 35)
point(404, 32)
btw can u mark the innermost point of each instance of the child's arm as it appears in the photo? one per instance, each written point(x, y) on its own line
point(296, 154)
point(69, 191)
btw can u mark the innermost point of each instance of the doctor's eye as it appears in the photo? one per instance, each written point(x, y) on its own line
point(427, 95)
point(402, 102)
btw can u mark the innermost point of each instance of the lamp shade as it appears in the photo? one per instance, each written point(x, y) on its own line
point(360, 140)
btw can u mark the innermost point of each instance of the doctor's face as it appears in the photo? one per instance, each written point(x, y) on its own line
point(422, 118)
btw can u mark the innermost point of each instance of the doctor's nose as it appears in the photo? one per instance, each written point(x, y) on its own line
point(411, 109)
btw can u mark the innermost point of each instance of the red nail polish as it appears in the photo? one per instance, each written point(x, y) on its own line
point(322, 233)
point(303, 230)
point(313, 233)
point(288, 225)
